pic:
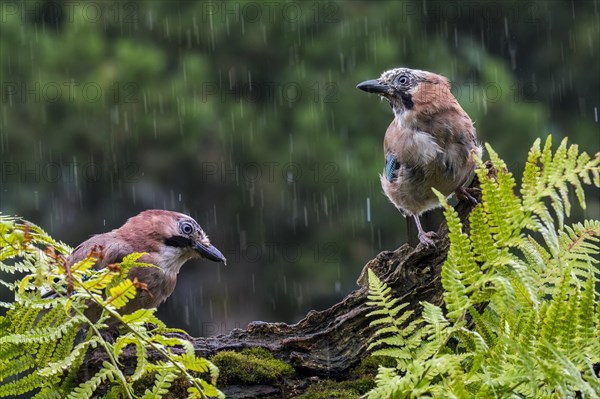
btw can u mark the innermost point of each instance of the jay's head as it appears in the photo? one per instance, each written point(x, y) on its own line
point(173, 236)
point(411, 90)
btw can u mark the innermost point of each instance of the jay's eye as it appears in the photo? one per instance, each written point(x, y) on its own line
point(403, 80)
point(186, 228)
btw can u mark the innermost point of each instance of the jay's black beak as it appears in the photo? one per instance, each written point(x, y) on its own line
point(210, 252)
point(373, 86)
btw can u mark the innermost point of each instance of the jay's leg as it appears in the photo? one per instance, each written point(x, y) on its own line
point(426, 238)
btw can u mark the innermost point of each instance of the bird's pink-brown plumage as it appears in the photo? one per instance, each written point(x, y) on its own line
point(155, 233)
point(430, 143)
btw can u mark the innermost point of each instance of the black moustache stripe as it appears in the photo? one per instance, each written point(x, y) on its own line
point(178, 242)
point(406, 100)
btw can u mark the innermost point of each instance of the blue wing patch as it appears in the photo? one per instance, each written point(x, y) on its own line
point(391, 165)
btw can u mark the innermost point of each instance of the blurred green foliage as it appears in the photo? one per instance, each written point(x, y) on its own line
point(245, 115)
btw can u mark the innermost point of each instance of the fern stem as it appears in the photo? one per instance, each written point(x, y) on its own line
point(165, 354)
point(106, 347)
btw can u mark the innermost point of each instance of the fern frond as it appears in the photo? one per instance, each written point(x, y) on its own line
point(142, 316)
point(162, 382)
point(388, 310)
point(47, 393)
point(65, 345)
point(539, 333)
point(389, 385)
point(579, 243)
point(86, 389)
point(484, 327)
point(46, 334)
point(588, 334)
point(16, 366)
point(551, 321)
point(65, 363)
point(460, 269)
point(554, 172)
point(56, 316)
point(140, 354)
point(207, 391)
point(21, 385)
point(121, 294)
point(484, 247)
point(42, 342)
point(503, 209)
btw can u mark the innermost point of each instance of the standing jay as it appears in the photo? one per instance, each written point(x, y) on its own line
point(431, 143)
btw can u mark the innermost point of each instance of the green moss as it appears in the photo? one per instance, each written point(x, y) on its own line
point(369, 365)
point(330, 389)
point(250, 366)
point(361, 385)
point(362, 381)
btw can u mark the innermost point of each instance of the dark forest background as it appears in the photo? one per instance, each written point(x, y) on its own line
point(245, 115)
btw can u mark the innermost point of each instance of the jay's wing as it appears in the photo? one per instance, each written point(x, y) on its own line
point(105, 248)
point(391, 166)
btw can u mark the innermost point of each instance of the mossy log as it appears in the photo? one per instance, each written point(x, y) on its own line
point(328, 344)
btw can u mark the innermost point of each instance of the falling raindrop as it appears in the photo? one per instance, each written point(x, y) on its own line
point(305, 216)
point(484, 103)
point(154, 124)
point(455, 36)
point(150, 20)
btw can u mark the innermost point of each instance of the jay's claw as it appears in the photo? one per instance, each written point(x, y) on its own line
point(467, 194)
point(427, 238)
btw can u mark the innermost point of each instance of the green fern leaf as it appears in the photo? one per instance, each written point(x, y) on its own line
point(142, 316)
point(65, 363)
point(47, 393)
point(87, 389)
point(587, 333)
point(207, 390)
point(16, 366)
point(162, 383)
point(140, 354)
point(121, 294)
point(539, 335)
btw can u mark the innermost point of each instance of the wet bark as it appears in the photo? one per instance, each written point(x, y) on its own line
point(330, 342)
